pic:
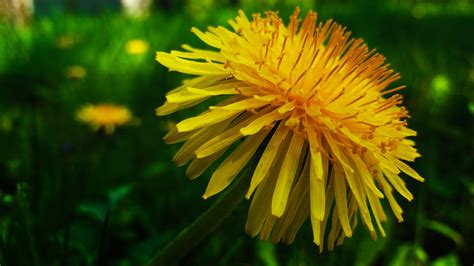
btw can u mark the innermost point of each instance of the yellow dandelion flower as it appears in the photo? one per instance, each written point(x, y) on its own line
point(75, 72)
point(136, 46)
point(106, 116)
point(65, 41)
point(317, 101)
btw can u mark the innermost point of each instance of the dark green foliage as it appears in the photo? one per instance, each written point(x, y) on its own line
point(59, 181)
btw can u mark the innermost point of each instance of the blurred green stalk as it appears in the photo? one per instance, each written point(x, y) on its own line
point(205, 224)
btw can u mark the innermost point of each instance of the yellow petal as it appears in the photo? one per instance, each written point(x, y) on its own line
point(218, 143)
point(408, 132)
point(174, 63)
point(289, 106)
point(190, 94)
point(173, 136)
point(214, 56)
point(301, 216)
point(408, 170)
point(199, 165)
point(268, 158)
point(357, 139)
point(232, 134)
point(206, 119)
point(365, 175)
point(398, 184)
point(199, 54)
point(267, 227)
point(265, 221)
point(313, 110)
point(261, 122)
point(357, 187)
point(354, 181)
point(316, 157)
point(292, 122)
point(317, 189)
point(387, 189)
point(232, 166)
point(405, 152)
point(208, 38)
point(379, 215)
point(338, 152)
point(187, 151)
point(321, 226)
point(388, 131)
point(316, 227)
point(224, 34)
point(385, 163)
point(341, 200)
point(287, 174)
point(251, 103)
point(251, 78)
point(184, 96)
point(169, 108)
point(213, 91)
point(200, 82)
point(260, 206)
point(298, 209)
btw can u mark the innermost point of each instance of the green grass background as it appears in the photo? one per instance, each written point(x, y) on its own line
point(58, 179)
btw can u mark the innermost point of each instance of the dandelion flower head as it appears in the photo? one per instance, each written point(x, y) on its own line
point(319, 105)
point(106, 116)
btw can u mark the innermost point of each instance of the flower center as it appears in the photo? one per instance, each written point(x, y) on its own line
point(297, 99)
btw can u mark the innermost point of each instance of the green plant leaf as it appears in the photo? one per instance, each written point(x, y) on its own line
point(444, 230)
point(266, 253)
point(404, 256)
point(448, 260)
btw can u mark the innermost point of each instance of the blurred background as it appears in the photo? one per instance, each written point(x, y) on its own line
point(59, 179)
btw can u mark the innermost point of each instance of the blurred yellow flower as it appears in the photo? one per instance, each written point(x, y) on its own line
point(106, 116)
point(136, 46)
point(6, 123)
point(75, 72)
point(65, 41)
point(471, 76)
point(317, 102)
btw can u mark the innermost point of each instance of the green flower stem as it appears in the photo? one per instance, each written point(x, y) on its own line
point(189, 237)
